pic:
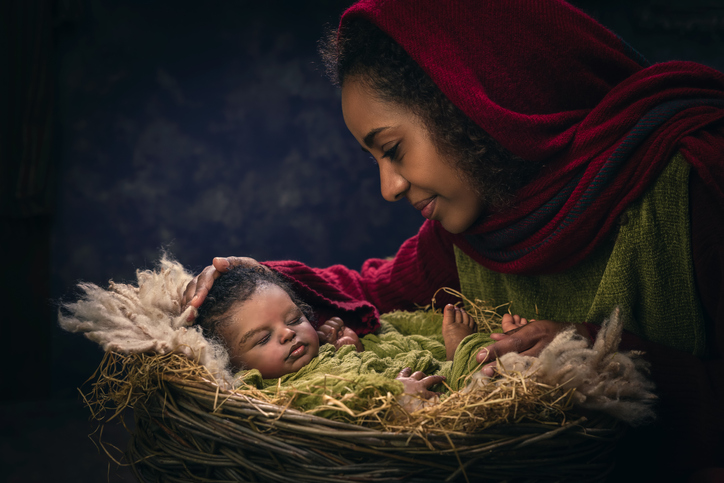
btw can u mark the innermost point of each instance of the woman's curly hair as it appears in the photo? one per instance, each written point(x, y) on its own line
point(363, 52)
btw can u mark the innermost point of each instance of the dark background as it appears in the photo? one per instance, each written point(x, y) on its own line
point(202, 128)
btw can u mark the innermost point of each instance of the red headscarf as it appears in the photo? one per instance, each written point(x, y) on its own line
point(554, 86)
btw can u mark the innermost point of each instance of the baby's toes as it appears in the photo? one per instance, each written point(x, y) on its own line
point(458, 315)
point(448, 315)
point(508, 322)
point(468, 320)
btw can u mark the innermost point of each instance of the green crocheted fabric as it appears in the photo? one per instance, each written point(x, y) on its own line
point(405, 339)
point(647, 270)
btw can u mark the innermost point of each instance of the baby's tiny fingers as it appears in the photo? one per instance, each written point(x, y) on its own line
point(418, 375)
point(335, 322)
point(328, 333)
point(405, 372)
point(432, 380)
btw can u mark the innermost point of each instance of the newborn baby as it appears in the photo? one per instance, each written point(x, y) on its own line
point(265, 326)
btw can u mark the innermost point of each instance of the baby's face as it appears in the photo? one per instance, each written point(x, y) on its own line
point(268, 332)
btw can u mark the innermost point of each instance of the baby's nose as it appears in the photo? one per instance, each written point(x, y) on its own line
point(288, 334)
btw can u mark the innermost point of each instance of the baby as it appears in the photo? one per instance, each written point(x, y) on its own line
point(265, 326)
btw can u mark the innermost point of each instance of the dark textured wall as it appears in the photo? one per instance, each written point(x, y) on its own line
point(206, 129)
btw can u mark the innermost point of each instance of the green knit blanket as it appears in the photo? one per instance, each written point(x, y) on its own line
point(405, 339)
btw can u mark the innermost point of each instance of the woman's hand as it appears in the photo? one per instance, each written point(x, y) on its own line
point(199, 287)
point(528, 340)
point(336, 333)
point(418, 384)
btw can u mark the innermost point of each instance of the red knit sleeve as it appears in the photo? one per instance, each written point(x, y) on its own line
point(423, 264)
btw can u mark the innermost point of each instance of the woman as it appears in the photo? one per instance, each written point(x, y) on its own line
point(556, 169)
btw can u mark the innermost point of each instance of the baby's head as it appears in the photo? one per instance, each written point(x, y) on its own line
point(262, 322)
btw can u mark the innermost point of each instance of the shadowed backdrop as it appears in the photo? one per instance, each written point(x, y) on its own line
point(204, 129)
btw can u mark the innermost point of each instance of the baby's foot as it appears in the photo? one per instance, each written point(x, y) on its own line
point(456, 325)
point(512, 322)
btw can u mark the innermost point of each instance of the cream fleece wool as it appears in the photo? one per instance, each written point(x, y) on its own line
point(604, 379)
point(146, 318)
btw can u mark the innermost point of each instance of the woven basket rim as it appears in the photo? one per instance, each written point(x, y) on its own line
point(587, 422)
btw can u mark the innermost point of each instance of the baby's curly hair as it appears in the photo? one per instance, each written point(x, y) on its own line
point(235, 287)
point(363, 52)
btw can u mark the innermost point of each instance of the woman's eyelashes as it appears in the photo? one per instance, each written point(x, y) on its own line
point(391, 153)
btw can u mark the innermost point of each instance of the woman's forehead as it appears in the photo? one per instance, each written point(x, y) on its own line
point(363, 111)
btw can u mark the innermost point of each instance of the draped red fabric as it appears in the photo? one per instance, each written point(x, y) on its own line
point(554, 86)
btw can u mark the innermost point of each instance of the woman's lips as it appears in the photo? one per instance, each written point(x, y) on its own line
point(426, 206)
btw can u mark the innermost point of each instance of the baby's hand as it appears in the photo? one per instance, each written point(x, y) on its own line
point(419, 384)
point(334, 332)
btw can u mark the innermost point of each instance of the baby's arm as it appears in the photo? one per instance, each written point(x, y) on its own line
point(334, 332)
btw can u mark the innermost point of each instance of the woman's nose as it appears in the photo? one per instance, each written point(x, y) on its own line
point(392, 184)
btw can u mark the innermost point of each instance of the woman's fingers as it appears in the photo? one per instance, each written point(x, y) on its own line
point(223, 264)
point(529, 340)
point(189, 292)
point(498, 336)
point(204, 282)
point(491, 368)
point(197, 289)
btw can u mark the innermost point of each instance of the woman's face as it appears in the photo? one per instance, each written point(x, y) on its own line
point(410, 166)
point(270, 333)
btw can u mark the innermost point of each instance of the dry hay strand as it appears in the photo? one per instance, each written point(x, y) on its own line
point(122, 381)
point(513, 398)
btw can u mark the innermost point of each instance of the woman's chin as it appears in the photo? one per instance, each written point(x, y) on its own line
point(454, 228)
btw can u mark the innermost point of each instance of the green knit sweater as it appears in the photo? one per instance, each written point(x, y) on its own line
point(647, 270)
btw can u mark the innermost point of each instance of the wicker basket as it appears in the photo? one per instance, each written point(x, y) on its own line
point(184, 434)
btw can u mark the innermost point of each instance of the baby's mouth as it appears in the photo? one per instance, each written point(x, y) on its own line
point(297, 350)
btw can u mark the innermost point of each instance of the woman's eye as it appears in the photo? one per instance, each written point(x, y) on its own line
point(391, 153)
